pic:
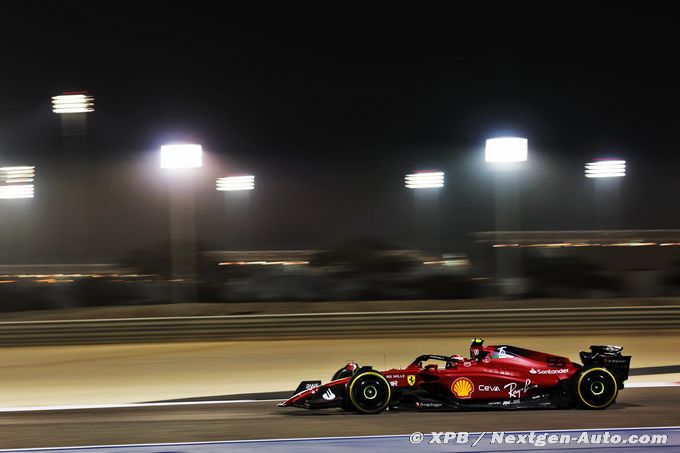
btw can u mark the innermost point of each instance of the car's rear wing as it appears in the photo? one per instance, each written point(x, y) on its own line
point(610, 358)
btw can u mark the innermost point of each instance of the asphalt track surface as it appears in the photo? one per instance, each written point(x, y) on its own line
point(39, 376)
point(263, 420)
point(120, 374)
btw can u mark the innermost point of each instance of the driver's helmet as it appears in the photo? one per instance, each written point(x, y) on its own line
point(476, 349)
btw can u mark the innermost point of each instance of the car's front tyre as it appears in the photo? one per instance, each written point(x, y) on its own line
point(369, 392)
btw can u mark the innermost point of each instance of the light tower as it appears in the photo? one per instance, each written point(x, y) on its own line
point(507, 156)
point(179, 161)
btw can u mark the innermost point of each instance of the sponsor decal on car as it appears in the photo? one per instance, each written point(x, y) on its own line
point(488, 388)
point(394, 383)
point(411, 379)
point(428, 405)
point(514, 392)
point(328, 395)
point(615, 362)
point(539, 371)
point(462, 388)
point(500, 353)
point(310, 386)
point(556, 362)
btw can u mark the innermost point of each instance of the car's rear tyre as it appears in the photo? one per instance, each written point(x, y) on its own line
point(596, 388)
point(369, 392)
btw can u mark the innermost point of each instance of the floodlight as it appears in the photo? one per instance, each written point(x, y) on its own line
point(506, 149)
point(16, 182)
point(424, 180)
point(181, 156)
point(73, 103)
point(232, 183)
point(606, 169)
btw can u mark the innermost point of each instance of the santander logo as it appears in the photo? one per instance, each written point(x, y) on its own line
point(560, 371)
point(328, 395)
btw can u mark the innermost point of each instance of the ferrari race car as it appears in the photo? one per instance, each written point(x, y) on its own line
point(494, 377)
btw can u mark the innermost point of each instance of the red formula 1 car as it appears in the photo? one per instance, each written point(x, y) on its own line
point(495, 377)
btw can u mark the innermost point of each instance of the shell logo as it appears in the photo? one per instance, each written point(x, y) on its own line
point(462, 388)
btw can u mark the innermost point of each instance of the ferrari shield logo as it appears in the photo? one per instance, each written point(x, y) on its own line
point(411, 379)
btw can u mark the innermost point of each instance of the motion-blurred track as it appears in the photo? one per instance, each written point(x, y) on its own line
point(258, 420)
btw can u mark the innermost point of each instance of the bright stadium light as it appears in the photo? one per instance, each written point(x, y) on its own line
point(17, 182)
point(506, 149)
point(606, 169)
point(424, 180)
point(73, 103)
point(232, 183)
point(181, 156)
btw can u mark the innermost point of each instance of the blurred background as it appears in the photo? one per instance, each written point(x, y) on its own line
point(328, 123)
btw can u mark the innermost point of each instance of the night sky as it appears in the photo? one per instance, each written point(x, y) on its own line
point(329, 106)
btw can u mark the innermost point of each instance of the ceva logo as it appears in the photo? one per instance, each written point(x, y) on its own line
point(462, 388)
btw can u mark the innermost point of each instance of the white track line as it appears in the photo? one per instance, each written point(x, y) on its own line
point(218, 442)
point(645, 385)
point(127, 405)
point(205, 403)
point(348, 313)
